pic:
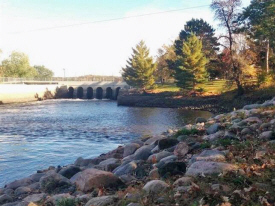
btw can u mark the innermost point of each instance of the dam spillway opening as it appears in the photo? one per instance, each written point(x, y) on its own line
point(99, 93)
point(90, 92)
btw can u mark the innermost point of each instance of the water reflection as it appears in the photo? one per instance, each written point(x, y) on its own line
point(36, 135)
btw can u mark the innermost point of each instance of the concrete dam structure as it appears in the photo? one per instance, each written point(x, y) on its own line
point(91, 90)
point(15, 92)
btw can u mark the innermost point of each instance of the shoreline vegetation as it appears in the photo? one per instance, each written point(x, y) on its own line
point(225, 160)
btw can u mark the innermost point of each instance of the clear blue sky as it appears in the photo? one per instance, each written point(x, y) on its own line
point(100, 48)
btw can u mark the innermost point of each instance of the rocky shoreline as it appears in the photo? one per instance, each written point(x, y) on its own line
point(226, 160)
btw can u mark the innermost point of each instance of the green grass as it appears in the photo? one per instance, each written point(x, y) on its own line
point(165, 88)
point(215, 87)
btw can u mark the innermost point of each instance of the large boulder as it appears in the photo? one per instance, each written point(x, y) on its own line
point(109, 164)
point(165, 160)
point(155, 187)
point(209, 168)
point(93, 178)
point(267, 135)
point(22, 190)
point(130, 149)
point(102, 201)
point(154, 158)
point(172, 168)
point(69, 171)
point(5, 199)
point(142, 153)
point(209, 155)
point(35, 197)
point(181, 150)
point(53, 182)
point(215, 136)
point(213, 128)
point(167, 143)
point(19, 183)
point(125, 169)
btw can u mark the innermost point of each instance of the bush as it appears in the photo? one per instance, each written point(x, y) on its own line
point(186, 132)
point(66, 202)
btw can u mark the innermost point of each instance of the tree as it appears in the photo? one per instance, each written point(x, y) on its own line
point(210, 44)
point(165, 54)
point(226, 11)
point(43, 72)
point(17, 65)
point(257, 20)
point(190, 64)
point(140, 68)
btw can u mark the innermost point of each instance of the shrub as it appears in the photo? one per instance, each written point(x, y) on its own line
point(186, 132)
point(66, 202)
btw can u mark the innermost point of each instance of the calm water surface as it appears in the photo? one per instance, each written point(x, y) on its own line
point(36, 135)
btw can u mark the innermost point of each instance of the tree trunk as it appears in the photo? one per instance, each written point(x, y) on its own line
point(267, 56)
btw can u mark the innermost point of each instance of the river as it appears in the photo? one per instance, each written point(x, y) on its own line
point(36, 135)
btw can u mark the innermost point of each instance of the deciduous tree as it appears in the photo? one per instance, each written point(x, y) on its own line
point(43, 72)
point(226, 11)
point(17, 65)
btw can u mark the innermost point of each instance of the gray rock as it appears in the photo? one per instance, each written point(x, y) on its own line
point(102, 201)
point(181, 149)
point(155, 149)
point(80, 162)
point(138, 141)
point(154, 174)
point(36, 177)
point(127, 178)
point(209, 168)
point(53, 200)
point(142, 153)
point(5, 199)
point(53, 182)
point(265, 126)
point(167, 143)
point(89, 179)
point(69, 171)
point(229, 135)
point(35, 197)
point(183, 181)
point(268, 135)
point(109, 164)
point(22, 190)
point(9, 192)
point(155, 187)
point(125, 169)
point(171, 169)
point(252, 106)
point(158, 156)
point(153, 140)
point(246, 131)
point(252, 120)
point(165, 160)
point(215, 136)
point(213, 128)
point(19, 183)
point(130, 149)
point(133, 197)
point(200, 120)
point(134, 204)
point(209, 155)
point(34, 186)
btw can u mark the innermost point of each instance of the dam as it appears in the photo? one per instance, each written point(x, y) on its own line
point(32, 90)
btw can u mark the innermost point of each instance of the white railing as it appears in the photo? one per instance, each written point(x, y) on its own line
point(12, 80)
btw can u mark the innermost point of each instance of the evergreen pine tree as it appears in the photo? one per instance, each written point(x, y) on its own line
point(140, 68)
point(190, 65)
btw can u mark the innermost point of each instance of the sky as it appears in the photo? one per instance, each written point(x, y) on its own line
point(93, 36)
